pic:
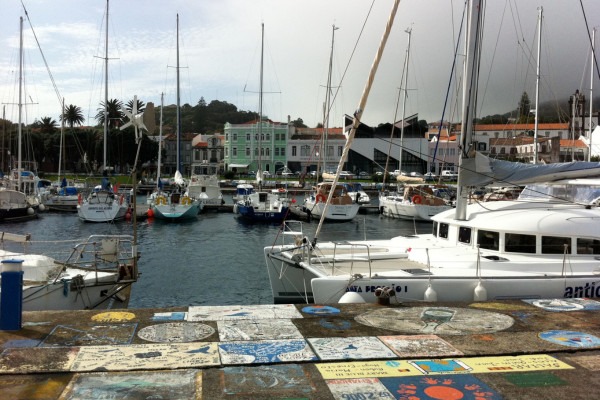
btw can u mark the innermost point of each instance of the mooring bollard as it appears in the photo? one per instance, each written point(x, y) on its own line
point(11, 298)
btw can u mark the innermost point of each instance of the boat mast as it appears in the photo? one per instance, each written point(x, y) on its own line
point(19, 129)
point(405, 81)
point(105, 89)
point(260, 106)
point(537, 87)
point(472, 53)
point(328, 104)
point(178, 102)
point(589, 157)
point(62, 138)
point(160, 130)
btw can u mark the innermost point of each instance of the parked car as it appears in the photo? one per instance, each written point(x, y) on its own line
point(363, 174)
point(346, 175)
point(430, 176)
point(266, 174)
point(449, 175)
point(415, 174)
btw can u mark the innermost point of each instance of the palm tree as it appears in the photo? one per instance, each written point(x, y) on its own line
point(47, 125)
point(73, 116)
point(115, 115)
point(141, 106)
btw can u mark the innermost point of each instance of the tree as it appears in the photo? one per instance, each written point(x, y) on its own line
point(141, 106)
point(524, 108)
point(298, 123)
point(73, 116)
point(115, 115)
point(47, 125)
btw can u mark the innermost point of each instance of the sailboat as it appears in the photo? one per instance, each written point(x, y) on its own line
point(545, 244)
point(178, 204)
point(104, 203)
point(262, 206)
point(330, 201)
point(17, 202)
point(417, 200)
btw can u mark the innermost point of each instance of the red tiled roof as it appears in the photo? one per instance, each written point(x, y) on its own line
point(572, 143)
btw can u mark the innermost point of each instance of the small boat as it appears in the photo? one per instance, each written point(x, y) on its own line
point(206, 188)
point(63, 197)
point(97, 273)
point(270, 207)
point(176, 205)
point(417, 202)
point(357, 193)
point(340, 208)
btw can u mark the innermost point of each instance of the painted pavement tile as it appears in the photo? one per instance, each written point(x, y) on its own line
point(176, 332)
point(265, 351)
point(534, 379)
point(350, 348)
point(321, 310)
point(561, 305)
point(232, 330)
point(287, 380)
point(413, 346)
point(169, 316)
point(464, 387)
point(365, 388)
point(473, 365)
point(570, 338)
point(90, 335)
point(262, 311)
point(591, 363)
point(146, 357)
point(182, 384)
point(113, 316)
point(38, 359)
point(21, 343)
point(33, 386)
point(437, 320)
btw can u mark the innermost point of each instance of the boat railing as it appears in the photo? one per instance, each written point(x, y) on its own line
point(350, 252)
point(105, 253)
point(291, 229)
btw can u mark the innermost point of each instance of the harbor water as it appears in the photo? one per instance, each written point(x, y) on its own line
point(214, 260)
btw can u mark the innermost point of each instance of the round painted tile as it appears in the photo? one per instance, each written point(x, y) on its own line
point(570, 338)
point(176, 332)
point(321, 310)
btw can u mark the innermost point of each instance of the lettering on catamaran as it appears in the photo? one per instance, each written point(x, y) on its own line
point(589, 290)
point(373, 288)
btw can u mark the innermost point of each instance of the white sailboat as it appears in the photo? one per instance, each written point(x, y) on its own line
point(417, 201)
point(179, 204)
point(546, 244)
point(330, 201)
point(104, 204)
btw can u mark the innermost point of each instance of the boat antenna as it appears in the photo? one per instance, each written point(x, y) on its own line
point(359, 111)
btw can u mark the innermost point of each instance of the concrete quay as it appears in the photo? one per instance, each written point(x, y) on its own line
point(543, 349)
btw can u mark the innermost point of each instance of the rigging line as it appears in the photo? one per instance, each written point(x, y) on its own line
point(448, 89)
point(587, 27)
point(362, 29)
point(43, 56)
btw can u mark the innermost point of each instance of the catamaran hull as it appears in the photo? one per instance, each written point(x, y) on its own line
point(341, 213)
point(71, 296)
point(177, 211)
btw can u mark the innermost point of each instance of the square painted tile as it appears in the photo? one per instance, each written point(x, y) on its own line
point(220, 313)
point(90, 335)
point(265, 351)
point(255, 329)
point(365, 388)
point(350, 348)
point(413, 346)
point(464, 387)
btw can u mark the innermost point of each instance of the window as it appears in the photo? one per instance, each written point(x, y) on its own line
point(443, 231)
point(227, 137)
point(556, 245)
point(488, 240)
point(234, 152)
point(276, 151)
point(305, 151)
point(464, 234)
point(188, 146)
point(517, 243)
point(435, 228)
point(283, 151)
point(267, 151)
point(294, 151)
point(262, 151)
point(588, 246)
point(235, 137)
point(268, 136)
point(226, 151)
point(340, 150)
point(247, 137)
point(248, 153)
point(255, 151)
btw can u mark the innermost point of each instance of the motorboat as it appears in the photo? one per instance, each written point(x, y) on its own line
point(262, 206)
point(419, 202)
point(332, 202)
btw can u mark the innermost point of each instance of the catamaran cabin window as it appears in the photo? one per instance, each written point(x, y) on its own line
point(555, 245)
point(488, 240)
point(464, 234)
point(588, 246)
point(443, 231)
point(435, 228)
point(517, 243)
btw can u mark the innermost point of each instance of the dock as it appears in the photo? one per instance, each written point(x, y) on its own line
point(541, 349)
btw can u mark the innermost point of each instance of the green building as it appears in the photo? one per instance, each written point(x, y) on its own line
point(253, 143)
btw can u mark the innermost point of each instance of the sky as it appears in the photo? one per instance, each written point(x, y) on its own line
point(220, 52)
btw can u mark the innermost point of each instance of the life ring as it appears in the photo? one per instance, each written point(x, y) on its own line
point(79, 199)
point(320, 198)
point(185, 200)
point(417, 199)
point(160, 200)
point(281, 190)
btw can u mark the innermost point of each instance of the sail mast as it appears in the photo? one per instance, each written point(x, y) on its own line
point(260, 106)
point(537, 87)
point(178, 102)
point(589, 157)
point(19, 129)
point(105, 90)
point(405, 80)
